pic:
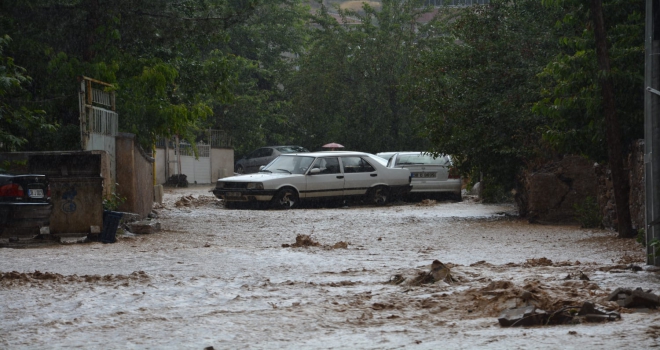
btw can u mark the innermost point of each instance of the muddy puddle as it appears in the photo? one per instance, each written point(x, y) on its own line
point(322, 278)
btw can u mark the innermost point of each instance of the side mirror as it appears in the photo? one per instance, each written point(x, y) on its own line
point(262, 167)
point(315, 171)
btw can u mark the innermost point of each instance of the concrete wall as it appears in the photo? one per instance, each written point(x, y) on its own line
point(134, 176)
point(160, 166)
point(222, 163)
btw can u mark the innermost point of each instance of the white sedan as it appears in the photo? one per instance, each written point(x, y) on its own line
point(290, 178)
point(430, 174)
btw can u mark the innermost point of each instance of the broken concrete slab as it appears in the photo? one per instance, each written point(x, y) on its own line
point(637, 298)
point(523, 316)
point(144, 227)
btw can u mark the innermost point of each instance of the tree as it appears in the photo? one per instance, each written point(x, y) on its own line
point(17, 122)
point(164, 57)
point(477, 83)
point(585, 80)
point(350, 83)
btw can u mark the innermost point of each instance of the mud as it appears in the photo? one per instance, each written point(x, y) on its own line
point(223, 278)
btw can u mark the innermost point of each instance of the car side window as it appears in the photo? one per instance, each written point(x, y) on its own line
point(329, 165)
point(356, 165)
point(266, 152)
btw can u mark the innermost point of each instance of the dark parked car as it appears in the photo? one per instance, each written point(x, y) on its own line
point(24, 205)
point(262, 156)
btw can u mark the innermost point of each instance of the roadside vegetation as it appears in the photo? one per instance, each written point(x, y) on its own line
point(502, 87)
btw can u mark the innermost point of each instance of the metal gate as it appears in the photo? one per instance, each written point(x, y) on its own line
point(196, 170)
point(98, 119)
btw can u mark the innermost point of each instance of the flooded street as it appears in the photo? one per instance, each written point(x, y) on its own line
point(222, 278)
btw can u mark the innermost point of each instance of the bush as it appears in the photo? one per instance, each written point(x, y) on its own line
point(588, 213)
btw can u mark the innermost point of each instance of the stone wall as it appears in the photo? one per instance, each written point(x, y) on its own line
point(635, 165)
point(549, 195)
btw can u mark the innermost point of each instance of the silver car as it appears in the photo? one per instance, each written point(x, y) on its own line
point(429, 174)
point(292, 178)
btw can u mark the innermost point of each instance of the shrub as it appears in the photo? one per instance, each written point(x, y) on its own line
point(588, 213)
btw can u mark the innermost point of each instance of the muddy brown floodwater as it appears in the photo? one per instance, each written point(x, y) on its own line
point(240, 279)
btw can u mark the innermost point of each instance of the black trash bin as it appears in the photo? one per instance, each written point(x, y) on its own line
point(110, 224)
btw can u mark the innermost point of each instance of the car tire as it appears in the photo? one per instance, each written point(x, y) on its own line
point(458, 197)
point(229, 205)
point(240, 170)
point(286, 198)
point(378, 195)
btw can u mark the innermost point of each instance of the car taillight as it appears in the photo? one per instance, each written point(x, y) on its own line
point(11, 190)
point(454, 174)
point(48, 191)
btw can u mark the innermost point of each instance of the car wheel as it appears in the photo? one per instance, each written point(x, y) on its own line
point(458, 197)
point(286, 198)
point(240, 170)
point(379, 195)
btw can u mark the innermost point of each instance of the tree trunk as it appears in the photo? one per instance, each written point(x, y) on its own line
point(614, 143)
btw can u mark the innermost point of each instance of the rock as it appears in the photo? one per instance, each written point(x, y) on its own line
point(440, 272)
point(144, 227)
point(616, 294)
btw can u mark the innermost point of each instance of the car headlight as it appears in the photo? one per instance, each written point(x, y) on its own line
point(255, 186)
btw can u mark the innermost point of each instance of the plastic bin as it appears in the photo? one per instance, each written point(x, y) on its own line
point(110, 224)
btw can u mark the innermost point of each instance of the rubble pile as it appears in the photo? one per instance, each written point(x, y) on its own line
point(532, 316)
point(191, 201)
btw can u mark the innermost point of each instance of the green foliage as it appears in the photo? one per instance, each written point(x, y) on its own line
point(571, 93)
point(588, 213)
point(170, 61)
point(475, 86)
point(655, 245)
point(641, 237)
point(17, 122)
point(114, 200)
point(349, 87)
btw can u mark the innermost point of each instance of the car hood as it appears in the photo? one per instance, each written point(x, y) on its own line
point(257, 177)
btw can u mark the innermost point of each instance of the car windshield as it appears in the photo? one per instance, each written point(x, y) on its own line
point(289, 164)
point(420, 159)
point(292, 149)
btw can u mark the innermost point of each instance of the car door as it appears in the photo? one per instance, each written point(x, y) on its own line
point(328, 182)
point(359, 175)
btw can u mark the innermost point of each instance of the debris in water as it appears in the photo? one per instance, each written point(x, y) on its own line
point(303, 241)
point(532, 316)
point(396, 279)
point(439, 272)
point(637, 298)
point(538, 262)
point(577, 276)
point(340, 245)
